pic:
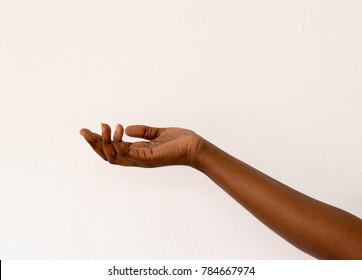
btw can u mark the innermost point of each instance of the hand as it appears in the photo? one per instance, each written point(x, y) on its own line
point(167, 146)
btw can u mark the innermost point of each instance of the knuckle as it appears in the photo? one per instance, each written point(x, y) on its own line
point(119, 148)
point(145, 132)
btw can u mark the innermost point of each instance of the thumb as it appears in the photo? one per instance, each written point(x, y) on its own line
point(143, 131)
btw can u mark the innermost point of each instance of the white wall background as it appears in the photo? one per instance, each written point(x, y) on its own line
point(277, 84)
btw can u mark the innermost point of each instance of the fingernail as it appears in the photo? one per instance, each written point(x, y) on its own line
point(102, 124)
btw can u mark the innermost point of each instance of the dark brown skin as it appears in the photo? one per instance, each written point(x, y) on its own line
point(319, 229)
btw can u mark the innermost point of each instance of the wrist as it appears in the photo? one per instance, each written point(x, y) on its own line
point(204, 156)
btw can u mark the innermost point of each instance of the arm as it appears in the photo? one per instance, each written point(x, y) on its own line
point(319, 229)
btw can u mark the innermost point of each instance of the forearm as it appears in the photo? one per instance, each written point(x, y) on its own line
point(313, 226)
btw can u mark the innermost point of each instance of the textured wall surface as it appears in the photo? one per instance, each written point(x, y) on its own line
point(277, 84)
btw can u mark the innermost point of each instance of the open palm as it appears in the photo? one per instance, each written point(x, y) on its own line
point(166, 146)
